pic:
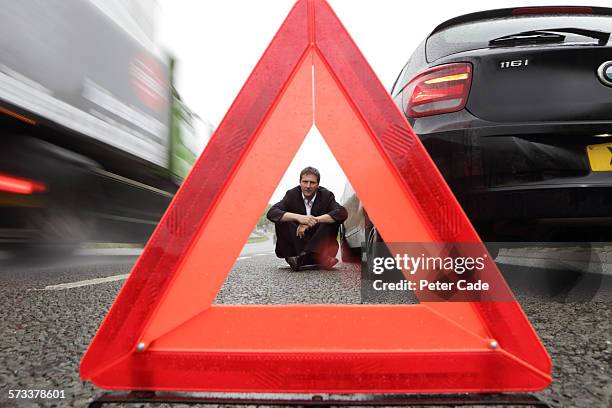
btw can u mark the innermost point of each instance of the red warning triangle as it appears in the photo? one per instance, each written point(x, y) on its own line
point(163, 333)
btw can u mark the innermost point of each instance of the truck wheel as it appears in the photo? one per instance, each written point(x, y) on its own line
point(61, 229)
point(61, 217)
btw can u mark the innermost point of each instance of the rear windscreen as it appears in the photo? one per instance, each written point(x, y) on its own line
point(476, 35)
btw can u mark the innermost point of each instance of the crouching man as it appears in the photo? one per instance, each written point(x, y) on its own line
point(307, 220)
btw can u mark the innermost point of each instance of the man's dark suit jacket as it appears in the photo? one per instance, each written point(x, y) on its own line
point(325, 203)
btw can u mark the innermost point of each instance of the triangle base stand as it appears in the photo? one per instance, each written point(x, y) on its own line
point(318, 400)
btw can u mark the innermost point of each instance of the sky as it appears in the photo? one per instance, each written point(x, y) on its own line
point(217, 44)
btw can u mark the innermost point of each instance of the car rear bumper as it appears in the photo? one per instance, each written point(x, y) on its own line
point(523, 172)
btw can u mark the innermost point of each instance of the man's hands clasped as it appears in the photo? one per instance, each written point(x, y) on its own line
point(306, 221)
point(309, 220)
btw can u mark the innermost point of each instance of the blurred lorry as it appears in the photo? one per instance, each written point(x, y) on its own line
point(94, 139)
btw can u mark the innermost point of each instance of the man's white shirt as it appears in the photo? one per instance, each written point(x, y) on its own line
point(308, 204)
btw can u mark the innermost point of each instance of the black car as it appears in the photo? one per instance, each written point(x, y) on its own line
point(515, 108)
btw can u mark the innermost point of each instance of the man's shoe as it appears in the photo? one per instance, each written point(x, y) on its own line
point(328, 262)
point(295, 262)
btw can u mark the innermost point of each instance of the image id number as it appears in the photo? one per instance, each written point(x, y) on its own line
point(35, 394)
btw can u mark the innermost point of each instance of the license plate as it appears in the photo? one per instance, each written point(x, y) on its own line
point(600, 156)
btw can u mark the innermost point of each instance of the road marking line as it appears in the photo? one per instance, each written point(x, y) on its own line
point(110, 252)
point(88, 282)
point(114, 278)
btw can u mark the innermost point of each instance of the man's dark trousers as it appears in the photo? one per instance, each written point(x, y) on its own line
point(320, 240)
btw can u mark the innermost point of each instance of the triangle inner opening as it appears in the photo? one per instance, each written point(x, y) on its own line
point(260, 277)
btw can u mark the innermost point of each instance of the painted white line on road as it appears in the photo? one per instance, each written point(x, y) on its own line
point(88, 282)
point(97, 281)
point(252, 255)
point(109, 252)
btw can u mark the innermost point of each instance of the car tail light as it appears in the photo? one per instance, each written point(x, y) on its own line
point(18, 185)
point(441, 89)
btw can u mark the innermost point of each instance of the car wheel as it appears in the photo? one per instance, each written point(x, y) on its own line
point(576, 284)
point(371, 243)
point(348, 254)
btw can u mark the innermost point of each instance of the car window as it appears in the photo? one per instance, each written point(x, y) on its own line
point(476, 35)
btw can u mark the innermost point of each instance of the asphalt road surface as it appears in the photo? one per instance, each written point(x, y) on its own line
point(50, 312)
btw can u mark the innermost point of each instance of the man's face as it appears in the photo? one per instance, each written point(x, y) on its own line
point(309, 185)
